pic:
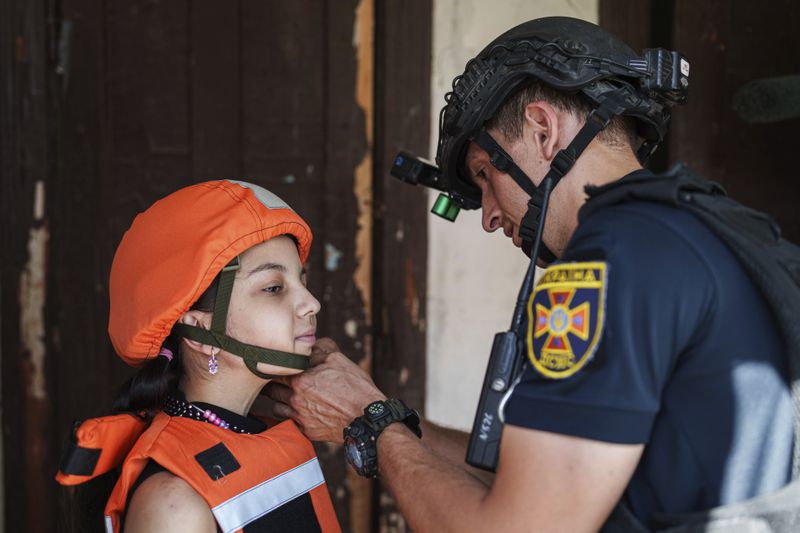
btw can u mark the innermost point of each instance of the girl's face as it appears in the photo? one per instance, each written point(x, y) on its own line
point(270, 304)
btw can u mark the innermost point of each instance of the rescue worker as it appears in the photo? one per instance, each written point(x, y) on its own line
point(209, 299)
point(657, 383)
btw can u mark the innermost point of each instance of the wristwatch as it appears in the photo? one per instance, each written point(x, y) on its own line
point(361, 436)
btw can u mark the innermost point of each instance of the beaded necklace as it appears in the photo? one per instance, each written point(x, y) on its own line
point(177, 407)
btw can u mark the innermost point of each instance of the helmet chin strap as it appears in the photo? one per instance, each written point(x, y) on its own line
point(564, 160)
point(216, 336)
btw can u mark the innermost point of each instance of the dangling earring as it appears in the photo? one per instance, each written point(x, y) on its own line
point(212, 363)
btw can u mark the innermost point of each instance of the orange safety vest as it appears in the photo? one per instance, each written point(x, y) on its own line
point(244, 478)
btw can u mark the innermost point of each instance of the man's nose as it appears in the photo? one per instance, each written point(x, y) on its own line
point(490, 214)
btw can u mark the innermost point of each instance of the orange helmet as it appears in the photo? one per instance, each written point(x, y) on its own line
point(174, 250)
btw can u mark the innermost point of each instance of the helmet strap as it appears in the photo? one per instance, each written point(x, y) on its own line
point(503, 162)
point(533, 220)
point(216, 336)
point(223, 299)
point(252, 355)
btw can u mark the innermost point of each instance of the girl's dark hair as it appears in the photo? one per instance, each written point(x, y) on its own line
point(147, 390)
point(144, 392)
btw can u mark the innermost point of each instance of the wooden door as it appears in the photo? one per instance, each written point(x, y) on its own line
point(108, 106)
point(728, 43)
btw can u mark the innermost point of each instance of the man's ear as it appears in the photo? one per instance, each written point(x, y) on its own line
point(200, 319)
point(541, 120)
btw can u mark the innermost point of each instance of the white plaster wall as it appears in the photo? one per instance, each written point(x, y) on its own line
point(473, 277)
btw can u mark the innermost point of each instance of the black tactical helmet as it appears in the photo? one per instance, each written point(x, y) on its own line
point(570, 55)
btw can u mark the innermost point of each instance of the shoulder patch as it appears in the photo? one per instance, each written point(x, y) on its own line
point(566, 314)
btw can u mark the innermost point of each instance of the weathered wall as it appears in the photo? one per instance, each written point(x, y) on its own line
point(107, 106)
point(473, 277)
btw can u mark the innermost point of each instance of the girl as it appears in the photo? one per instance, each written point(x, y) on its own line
point(208, 298)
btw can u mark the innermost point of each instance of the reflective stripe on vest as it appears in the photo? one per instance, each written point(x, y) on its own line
point(262, 499)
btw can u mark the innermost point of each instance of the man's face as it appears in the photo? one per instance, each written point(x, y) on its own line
point(503, 202)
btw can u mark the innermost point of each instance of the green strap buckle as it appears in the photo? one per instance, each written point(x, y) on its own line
point(233, 265)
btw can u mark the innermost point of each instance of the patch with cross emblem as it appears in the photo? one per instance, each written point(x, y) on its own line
point(565, 318)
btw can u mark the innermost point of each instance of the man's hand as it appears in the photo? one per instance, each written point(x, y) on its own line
point(326, 397)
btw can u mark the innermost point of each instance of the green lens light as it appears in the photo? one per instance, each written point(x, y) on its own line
point(445, 208)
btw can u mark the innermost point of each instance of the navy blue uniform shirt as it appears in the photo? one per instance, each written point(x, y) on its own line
point(689, 362)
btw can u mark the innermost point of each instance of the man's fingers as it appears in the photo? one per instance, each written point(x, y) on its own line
point(281, 410)
point(325, 344)
point(278, 392)
point(318, 358)
point(283, 380)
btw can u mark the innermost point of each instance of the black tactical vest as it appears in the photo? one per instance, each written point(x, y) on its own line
point(774, 266)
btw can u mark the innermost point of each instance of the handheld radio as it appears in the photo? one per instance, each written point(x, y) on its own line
point(507, 359)
point(506, 363)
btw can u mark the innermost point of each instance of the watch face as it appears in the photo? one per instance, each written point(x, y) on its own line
point(376, 409)
point(353, 455)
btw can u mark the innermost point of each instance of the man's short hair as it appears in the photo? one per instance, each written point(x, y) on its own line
point(620, 132)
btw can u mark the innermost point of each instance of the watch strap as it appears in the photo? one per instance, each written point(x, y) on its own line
point(361, 436)
point(396, 411)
